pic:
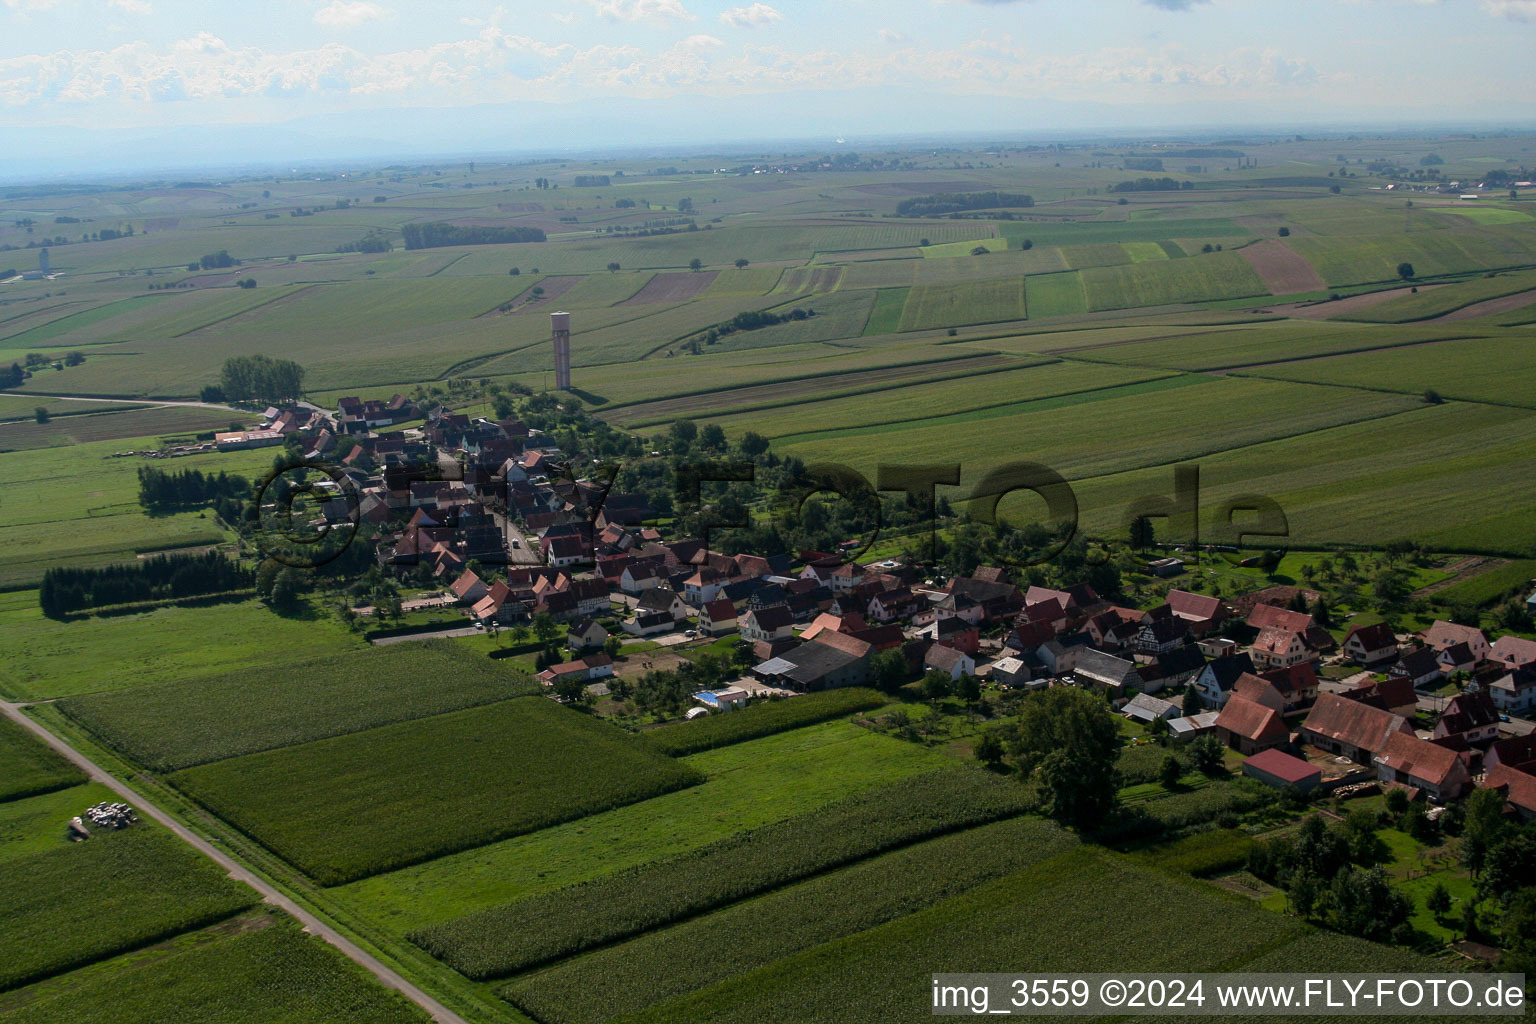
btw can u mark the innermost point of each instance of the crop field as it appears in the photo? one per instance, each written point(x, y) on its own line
point(1002, 386)
point(1491, 585)
point(1055, 295)
point(108, 426)
point(420, 789)
point(35, 824)
point(745, 281)
point(1096, 254)
point(80, 902)
point(1445, 299)
point(1277, 342)
point(977, 303)
point(1104, 914)
point(838, 315)
point(47, 334)
point(28, 766)
point(47, 659)
point(273, 973)
point(14, 408)
point(169, 726)
point(808, 280)
point(885, 314)
point(1221, 275)
point(500, 940)
point(1341, 261)
point(747, 785)
point(1494, 370)
point(682, 738)
point(1487, 214)
point(665, 964)
point(1144, 230)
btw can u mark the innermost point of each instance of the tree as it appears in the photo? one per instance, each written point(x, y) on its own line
point(1159, 729)
point(1438, 902)
point(1432, 396)
point(888, 670)
point(1364, 903)
point(968, 688)
point(1192, 704)
point(40, 414)
point(1285, 232)
point(695, 264)
point(1304, 892)
point(937, 685)
point(1405, 270)
point(612, 646)
point(1207, 754)
point(989, 749)
point(1397, 801)
point(570, 688)
point(753, 444)
point(545, 629)
point(1143, 536)
point(261, 378)
point(1169, 773)
point(1517, 934)
point(1069, 737)
point(612, 267)
point(74, 358)
point(712, 437)
point(741, 262)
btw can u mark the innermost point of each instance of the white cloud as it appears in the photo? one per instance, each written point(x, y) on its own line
point(890, 35)
point(643, 10)
point(350, 13)
point(132, 6)
point(750, 16)
point(1514, 10)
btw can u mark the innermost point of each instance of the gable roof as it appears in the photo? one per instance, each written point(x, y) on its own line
point(776, 617)
point(1373, 637)
point(1225, 670)
point(1515, 650)
point(1442, 634)
point(945, 658)
point(1385, 694)
point(656, 599)
point(1352, 722)
point(1420, 661)
point(1193, 606)
point(1257, 689)
point(1265, 616)
point(1519, 788)
point(1467, 711)
point(719, 610)
point(1406, 753)
point(1252, 721)
point(1282, 766)
point(845, 643)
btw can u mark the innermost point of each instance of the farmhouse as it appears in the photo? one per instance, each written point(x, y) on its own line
point(1420, 666)
point(830, 660)
point(1216, 680)
point(1350, 728)
point(953, 663)
point(1370, 645)
point(1249, 727)
point(1277, 647)
point(1392, 695)
point(767, 624)
point(717, 617)
point(1518, 789)
point(1203, 613)
point(1442, 634)
point(1410, 761)
point(1104, 671)
point(1469, 717)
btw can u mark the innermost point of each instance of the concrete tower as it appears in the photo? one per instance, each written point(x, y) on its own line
point(42, 261)
point(560, 324)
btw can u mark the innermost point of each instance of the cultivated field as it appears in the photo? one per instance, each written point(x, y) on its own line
point(28, 766)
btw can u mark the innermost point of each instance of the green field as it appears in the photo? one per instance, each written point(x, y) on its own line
point(28, 766)
point(500, 940)
point(747, 785)
point(667, 963)
point(35, 824)
point(1221, 275)
point(1056, 295)
point(1432, 302)
point(421, 789)
point(80, 902)
point(169, 726)
point(979, 302)
point(765, 719)
point(273, 973)
point(885, 315)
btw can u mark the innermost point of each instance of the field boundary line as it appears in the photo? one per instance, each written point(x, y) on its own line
point(249, 309)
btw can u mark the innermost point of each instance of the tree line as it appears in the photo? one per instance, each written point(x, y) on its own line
point(67, 589)
point(954, 202)
point(1152, 185)
point(261, 378)
point(164, 490)
point(436, 234)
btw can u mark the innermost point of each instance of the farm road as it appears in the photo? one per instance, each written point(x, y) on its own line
point(310, 922)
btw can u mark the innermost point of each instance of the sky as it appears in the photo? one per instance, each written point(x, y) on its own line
point(780, 69)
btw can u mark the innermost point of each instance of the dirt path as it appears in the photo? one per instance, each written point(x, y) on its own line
point(1502, 304)
point(269, 894)
point(136, 401)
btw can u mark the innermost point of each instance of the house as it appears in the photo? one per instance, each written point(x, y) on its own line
point(1470, 717)
point(767, 624)
point(565, 549)
point(1394, 695)
point(900, 603)
point(649, 623)
point(1514, 752)
point(1203, 613)
point(1514, 692)
point(1442, 634)
point(1297, 684)
point(1282, 771)
point(832, 659)
point(1144, 708)
point(1350, 728)
point(1011, 672)
point(593, 666)
point(1517, 787)
point(585, 634)
point(953, 632)
point(1192, 726)
point(1215, 681)
point(468, 588)
point(727, 698)
point(1410, 761)
point(1513, 652)
point(703, 586)
point(1268, 616)
point(850, 624)
point(717, 617)
point(1277, 647)
point(1217, 647)
point(1420, 666)
point(658, 600)
point(1370, 645)
point(1059, 657)
point(1248, 727)
point(1105, 671)
point(953, 663)
point(1173, 669)
point(640, 577)
point(1260, 691)
point(1456, 658)
point(1161, 635)
point(1115, 629)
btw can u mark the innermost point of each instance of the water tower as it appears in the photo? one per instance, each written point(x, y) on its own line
point(560, 324)
point(42, 261)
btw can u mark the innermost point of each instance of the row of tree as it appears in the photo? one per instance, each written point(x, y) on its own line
point(261, 378)
point(955, 202)
point(163, 490)
point(436, 234)
point(66, 589)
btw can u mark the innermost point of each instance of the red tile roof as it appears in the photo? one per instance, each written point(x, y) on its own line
point(1421, 759)
point(1283, 766)
point(1352, 722)
point(1519, 788)
point(1252, 721)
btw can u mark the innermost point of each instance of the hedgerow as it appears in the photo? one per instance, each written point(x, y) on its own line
point(765, 719)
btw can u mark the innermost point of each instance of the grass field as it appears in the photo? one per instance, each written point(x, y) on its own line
point(666, 963)
point(1221, 275)
point(1056, 295)
point(67, 431)
point(169, 726)
point(747, 785)
point(1487, 587)
point(80, 902)
point(28, 766)
point(421, 789)
point(36, 824)
point(682, 738)
point(47, 658)
point(979, 302)
point(885, 314)
point(1444, 299)
point(270, 971)
point(500, 940)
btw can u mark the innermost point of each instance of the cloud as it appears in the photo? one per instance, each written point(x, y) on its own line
point(350, 13)
point(1174, 5)
point(750, 16)
point(643, 10)
point(890, 35)
point(132, 6)
point(1514, 10)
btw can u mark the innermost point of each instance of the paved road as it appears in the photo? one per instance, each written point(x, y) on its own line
point(448, 634)
point(311, 923)
point(138, 401)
